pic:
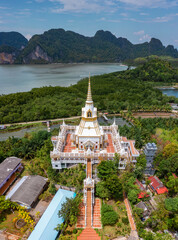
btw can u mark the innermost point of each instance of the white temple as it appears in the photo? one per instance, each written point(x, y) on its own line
point(75, 144)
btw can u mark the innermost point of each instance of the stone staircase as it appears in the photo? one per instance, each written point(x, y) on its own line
point(81, 217)
point(89, 208)
point(96, 214)
point(88, 234)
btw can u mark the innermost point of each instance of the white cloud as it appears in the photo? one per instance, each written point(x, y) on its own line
point(142, 35)
point(109, 20)
point(151, 3)
point(144, 14)
point(145, 37)
point(109, 2)
point(39, 1)
point(124, 14)
point(166, 18)
point(25, 12)
point(3, 8)
point(78, 6)
point(28, 36)
point(141, 32)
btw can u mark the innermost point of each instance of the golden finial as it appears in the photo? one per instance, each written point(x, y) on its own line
point(89, 97)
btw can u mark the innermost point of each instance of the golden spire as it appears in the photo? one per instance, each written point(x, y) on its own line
point(89, 97)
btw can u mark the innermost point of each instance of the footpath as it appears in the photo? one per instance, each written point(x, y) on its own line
point(133, 234)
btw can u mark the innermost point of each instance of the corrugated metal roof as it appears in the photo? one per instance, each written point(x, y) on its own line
point(44, 229)
point(7, 167)
point(28, 190)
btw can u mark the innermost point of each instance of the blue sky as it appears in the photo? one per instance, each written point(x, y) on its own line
point(137, 20)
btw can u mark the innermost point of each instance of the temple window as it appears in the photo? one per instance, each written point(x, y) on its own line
point(89, 114)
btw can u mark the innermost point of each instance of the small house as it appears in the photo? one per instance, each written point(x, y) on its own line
point(156, 185)
point(143, 192)
point(27, 190)
point(9, 170)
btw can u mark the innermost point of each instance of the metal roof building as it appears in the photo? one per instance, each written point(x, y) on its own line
point(44, 229)
point(8, 168)
point(27, 190)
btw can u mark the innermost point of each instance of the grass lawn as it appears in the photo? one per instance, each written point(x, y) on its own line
point(121, 228)
point(9, 225)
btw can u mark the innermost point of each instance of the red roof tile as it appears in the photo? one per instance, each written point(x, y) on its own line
point(161, 190)
point(157, 185)
point(143, 194)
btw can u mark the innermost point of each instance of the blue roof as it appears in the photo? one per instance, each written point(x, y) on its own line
point(44, 229)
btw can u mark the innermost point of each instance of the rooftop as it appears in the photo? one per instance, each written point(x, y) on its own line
point(44, 229)
point(157, 185)
point(142, 205)
point(69, 148)
point(27, 190)
point(151, 146)
point(7, 167)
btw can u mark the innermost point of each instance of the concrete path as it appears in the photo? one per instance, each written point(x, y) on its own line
point(131, 219)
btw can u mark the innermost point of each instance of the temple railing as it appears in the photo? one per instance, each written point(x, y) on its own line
point(63, 155)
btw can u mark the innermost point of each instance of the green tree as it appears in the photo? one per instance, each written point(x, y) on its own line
point(70, 210)
point(114, 185)
point(133, 196)
point(108, 215)
point(106, 169)
point(171, 204)
point(102, 191)
point(172, 185)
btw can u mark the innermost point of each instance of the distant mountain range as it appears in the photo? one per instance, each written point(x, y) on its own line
point(58, 45)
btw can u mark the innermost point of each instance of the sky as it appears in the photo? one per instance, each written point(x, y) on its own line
point(136, 20)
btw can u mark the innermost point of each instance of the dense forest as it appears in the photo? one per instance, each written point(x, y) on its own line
point(58, 45)
point(141, 60)
point(126, 90)
point(12, 39)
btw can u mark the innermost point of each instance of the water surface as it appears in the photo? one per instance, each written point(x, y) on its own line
point(170, 92)
point(22, 78)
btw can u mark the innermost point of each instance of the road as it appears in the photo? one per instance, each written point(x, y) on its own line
point(40, 121)
point(135, 114)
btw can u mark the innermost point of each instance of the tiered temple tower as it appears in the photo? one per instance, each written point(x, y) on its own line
point(73, 142)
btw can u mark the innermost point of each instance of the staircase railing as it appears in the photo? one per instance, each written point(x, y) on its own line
point(85, 215)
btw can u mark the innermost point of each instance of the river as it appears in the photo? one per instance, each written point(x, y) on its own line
point(170, 92)
point(20, 133)
point(22, 78)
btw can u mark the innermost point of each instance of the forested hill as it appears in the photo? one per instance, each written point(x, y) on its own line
point(12, 39)
point(11, 43)
point(114, 92)
point(58, 45)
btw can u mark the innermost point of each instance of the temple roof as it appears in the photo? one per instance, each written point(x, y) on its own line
point(89, 96)
point(89, 128)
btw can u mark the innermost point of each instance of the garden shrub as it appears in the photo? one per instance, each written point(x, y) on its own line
point(125, 220)
point(75, 231)
point(108, 215)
